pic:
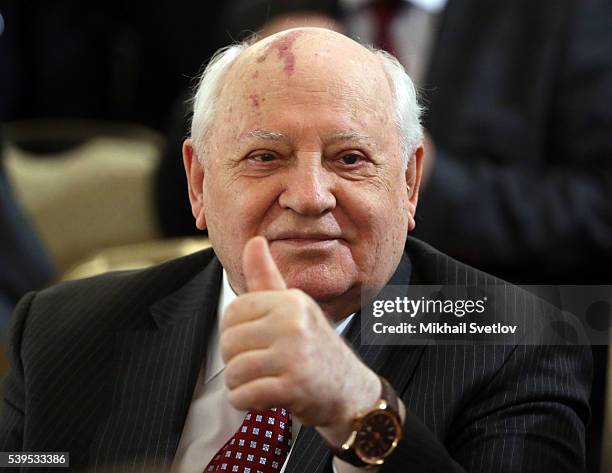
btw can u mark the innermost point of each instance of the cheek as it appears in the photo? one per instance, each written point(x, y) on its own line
point(238, 208)
point(381, 224)
point(377, 212)
point(233, 217)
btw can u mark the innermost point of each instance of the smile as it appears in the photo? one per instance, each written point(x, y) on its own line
point(307, 243)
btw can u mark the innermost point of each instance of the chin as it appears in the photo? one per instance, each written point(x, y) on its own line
point(321, 282)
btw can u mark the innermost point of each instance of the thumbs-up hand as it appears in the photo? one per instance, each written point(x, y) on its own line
point(259, 268)
point(281, 350)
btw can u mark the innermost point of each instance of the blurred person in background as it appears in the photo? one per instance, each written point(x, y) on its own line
point(110, 61)
point(24, 266)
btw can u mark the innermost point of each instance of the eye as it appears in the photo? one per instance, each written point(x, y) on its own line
point(262, 157)
point(351, 159)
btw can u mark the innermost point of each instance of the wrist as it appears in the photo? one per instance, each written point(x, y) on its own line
point(361, 397)
point(376, 431)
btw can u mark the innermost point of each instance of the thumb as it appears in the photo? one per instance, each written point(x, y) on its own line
point(259, 268)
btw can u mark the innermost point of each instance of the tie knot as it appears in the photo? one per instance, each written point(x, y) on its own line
point(390, 6)
point(384, 11)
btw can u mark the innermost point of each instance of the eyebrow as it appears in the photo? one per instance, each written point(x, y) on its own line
point(266, 135)
point(349, 136)
point(345, 135)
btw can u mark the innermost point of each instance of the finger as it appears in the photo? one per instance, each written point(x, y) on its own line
point(250, 306)
point(250, 365)
point(262, 393)
point(255, 335)
point(259, 268)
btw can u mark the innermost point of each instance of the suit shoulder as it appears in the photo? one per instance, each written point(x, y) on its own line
point(432, 267)
point(112, 297)
point(533, 309)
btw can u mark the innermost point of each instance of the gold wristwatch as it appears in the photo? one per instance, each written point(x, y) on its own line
point(376, 432)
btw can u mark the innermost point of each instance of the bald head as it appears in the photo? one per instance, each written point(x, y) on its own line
point(303, 64)
point(296, 50)
point(314, 60)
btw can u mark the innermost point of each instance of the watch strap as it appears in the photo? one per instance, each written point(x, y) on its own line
point(349, 455)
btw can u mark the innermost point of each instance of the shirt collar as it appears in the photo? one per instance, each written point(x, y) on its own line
point(214, 363)
point(429, 6)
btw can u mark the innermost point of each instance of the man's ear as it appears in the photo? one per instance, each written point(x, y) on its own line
point(413, 182)
point(195, 182)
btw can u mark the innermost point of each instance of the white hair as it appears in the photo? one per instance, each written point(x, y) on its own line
point(407, 110)
point(405, 104)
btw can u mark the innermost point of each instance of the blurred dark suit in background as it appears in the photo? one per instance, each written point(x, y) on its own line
point(112, 60)
point(520, 115)
point(23, 263)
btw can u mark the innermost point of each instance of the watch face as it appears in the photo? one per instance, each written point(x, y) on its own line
point(377, 437)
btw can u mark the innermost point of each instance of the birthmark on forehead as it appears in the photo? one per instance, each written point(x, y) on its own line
point(283, 46)
point(254, 99)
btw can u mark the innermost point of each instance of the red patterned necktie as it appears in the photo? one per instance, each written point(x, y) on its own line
point(384, 13)
point(260, 445)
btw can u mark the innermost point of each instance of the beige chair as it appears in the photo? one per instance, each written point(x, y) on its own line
point(94, 195)
point(135, 256)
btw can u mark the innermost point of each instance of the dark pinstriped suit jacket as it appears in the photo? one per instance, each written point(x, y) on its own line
point(105, 368)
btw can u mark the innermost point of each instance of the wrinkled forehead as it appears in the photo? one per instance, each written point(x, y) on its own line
point(310, 59)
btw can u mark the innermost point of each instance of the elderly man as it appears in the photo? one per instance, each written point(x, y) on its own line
point(304, 165)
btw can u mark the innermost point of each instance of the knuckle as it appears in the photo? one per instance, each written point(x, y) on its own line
point(237, 400)
point(243, 303)
point(253, 365)
point(231, 376)
point(282, 389)
point(296, 298)
point(302, 303)
point(226, 343)
point(237, 307)
point(230, 313)
point(298, 325)
point(292, 390)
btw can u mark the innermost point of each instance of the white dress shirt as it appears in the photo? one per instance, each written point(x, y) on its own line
point(211, 420)
point(412, 30)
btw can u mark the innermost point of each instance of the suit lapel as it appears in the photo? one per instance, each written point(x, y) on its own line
point(154, 372)
point(395, 363)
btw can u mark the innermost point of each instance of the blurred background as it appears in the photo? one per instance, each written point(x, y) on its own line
point(518, 175)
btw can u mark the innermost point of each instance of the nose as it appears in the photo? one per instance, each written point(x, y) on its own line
point(309, 188)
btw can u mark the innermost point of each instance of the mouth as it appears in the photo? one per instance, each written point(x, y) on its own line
point(306, 240)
